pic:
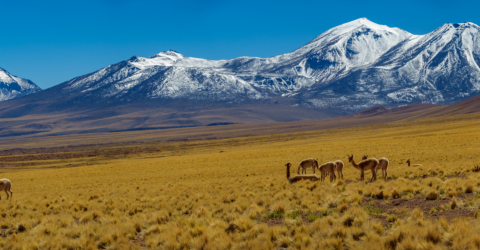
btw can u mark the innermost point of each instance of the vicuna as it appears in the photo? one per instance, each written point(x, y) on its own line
point(328, 168)
point(369, 164)
point(293, 179)
point(307, 163)
point(414, 165)
point(382, 165)
point(6, 185)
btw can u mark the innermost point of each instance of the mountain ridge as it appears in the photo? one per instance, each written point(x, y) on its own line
point(347, 69)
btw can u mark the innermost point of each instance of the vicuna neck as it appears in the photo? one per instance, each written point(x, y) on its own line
point(288, 172)
point(354, 164)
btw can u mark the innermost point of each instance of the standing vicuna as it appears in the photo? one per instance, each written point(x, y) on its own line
point(382, 165)
point(307, 163)
point(328, 168)
point(369, 164)
point(339, 166)
point(293, 179)
point(6, 185)
point(414, 165)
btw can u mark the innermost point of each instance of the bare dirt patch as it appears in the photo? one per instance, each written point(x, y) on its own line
point(396, 206)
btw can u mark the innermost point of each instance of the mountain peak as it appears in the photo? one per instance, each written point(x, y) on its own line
point(169, 53)
point(369, 24)
point(458, 26)
point(13, 86)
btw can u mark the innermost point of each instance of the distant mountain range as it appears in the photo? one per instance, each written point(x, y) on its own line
point(13, 87)
point(346, 69)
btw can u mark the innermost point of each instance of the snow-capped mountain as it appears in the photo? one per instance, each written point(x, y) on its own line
point(441, 67)
point(348, 68)
point(170, 75)
point(12, 86)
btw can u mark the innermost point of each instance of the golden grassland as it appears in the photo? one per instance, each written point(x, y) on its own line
point(233, 193)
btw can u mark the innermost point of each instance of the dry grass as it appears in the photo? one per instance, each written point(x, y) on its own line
point(233, 193)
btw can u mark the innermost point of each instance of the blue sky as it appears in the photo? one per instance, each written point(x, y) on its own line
point(50, 42)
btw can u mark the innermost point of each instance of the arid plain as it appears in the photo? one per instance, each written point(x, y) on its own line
point(233, 193)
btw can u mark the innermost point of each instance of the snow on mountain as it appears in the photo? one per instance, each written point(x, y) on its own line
point(12, 86)
point(441, 67)
point(343, 48)
point(172, 75)
point(350, 67)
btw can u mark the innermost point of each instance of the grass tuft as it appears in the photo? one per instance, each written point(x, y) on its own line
point(432, 195)
point(453, 204)
point(343, 208)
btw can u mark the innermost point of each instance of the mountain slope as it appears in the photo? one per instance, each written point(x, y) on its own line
point(169, 76)
point(13, 87)
point(351, 67)
point(441, 67)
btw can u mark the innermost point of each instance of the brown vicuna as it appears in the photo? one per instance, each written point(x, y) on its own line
point(414, 165)
point(368, 164)
point(339, 166)
point(6, 185)
point(476, 169)
point(307, 163)
point(328, 168)
point(293, 179)
point(382, 165)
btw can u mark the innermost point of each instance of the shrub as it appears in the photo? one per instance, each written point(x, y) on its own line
point(348, 221)
point(432, 195)
point(279, 208)
point(433, 236)
point(453, 204)
point(452, 194)
point(378, 195)
point(392, 218)
point(395, 194)
point(343, 208)
point(469, 188)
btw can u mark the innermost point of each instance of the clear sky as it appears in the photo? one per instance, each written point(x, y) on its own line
point(50, 42)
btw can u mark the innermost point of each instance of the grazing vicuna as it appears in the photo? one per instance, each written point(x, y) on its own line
point(339, 166)
point(368, 164)
point(293, 179)
point(328, 168)
point(307, 163)
point(382, 165)
point(476, 169)
point(6, 185)
point(414, 165)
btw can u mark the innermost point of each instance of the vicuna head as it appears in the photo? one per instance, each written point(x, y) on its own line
point(288, 165)
point(408, 161)
point(364, 157)
point(476, 169)
point(350, 158)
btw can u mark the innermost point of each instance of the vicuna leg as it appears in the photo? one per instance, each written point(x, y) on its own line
point(333, 177)
point(7, 194)
point(361, 175)
point(374, 174)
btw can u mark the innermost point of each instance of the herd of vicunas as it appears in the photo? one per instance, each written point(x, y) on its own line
point(329, 168)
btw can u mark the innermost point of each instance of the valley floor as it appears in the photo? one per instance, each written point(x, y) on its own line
point(233, 193)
